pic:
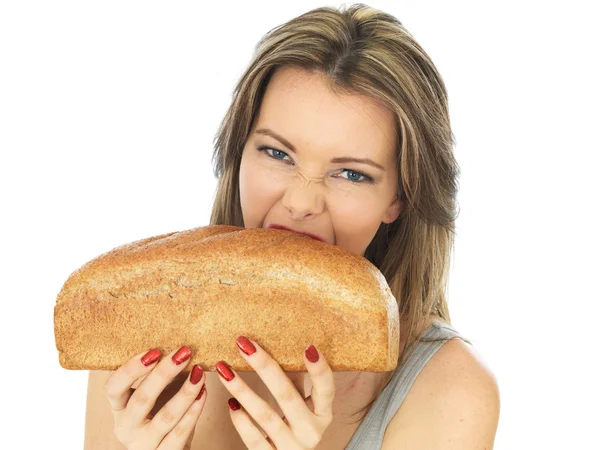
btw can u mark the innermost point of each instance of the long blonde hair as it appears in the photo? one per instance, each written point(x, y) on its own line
point(365, 51)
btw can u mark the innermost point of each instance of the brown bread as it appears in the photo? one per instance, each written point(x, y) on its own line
point(206, 286)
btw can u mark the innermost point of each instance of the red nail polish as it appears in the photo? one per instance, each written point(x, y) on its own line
point(245, 345)
point(234, 404)
point(202, 391)
point(182, 355)
point(311, 354)
point(224, 370)
point(151, 356)
point(196, 374)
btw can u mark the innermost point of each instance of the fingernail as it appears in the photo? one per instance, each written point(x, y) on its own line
point(202, 391)
point(311, 354)
point(245, 345)
point(182, 355)
point(234, 404)
point(225, 371)
point(151, 356)
point(196, 374)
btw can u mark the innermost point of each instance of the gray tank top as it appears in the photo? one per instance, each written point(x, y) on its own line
point(369, 434)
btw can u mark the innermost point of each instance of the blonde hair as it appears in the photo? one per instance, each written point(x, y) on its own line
point(364, 51)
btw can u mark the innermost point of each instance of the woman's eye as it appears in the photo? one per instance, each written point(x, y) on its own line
point(358, 174)
point(366, 178)
point(275, 151)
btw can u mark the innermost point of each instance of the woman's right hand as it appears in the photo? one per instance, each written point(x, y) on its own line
point(173, 425)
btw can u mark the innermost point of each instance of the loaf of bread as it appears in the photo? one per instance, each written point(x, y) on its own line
point(206, 286)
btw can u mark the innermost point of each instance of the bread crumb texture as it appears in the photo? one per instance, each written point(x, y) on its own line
point(206, 286)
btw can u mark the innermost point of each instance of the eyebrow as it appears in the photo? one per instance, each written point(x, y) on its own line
point(343, 159)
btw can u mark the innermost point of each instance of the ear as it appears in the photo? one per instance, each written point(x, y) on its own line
point(393, 211)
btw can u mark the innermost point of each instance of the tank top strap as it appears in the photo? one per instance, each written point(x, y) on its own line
point(372, 429)
point(432, 339)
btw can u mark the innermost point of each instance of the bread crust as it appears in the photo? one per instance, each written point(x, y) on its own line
point(206, 286)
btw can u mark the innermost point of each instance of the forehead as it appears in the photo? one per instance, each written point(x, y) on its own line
point(300, 106)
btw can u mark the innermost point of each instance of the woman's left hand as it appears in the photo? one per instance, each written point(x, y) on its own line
point(301, 427)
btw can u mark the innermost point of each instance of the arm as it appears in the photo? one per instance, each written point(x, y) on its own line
point(453, 404)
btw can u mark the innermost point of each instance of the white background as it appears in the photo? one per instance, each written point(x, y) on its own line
point(108, 112)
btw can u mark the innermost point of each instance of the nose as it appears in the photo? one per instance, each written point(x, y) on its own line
point(304, 197)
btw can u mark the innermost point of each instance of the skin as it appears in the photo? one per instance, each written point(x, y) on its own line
point(304, 190)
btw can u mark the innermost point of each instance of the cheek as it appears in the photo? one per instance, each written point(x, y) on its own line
point(260, 180)
point(355, 237)
point(258, 184)
point(352, 219)
point(354, 223)
point(246, 187)
point(260, 187)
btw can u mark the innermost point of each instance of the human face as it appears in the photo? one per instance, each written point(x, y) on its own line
point(305, 190)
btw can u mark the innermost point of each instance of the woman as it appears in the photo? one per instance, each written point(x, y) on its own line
point(324, 90)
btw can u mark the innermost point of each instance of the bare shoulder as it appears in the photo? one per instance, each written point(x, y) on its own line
point(453, 404)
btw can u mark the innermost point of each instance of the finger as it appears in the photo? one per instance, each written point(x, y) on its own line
point(118, 386)
point(257, 408)
point(309, 403)
point(323, 389)
point(145, 396)
point(167, 418)
point(182, 434)
point(253, 438)
point(285, 393)
point(168, 392)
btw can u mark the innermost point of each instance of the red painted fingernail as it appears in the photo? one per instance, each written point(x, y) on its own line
point(234, 404)
point(245, 345)
point(151, 356)
point(311, 354)
point(196, 374)
point(202, 391)
point(225, 371)
point(182, 355)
